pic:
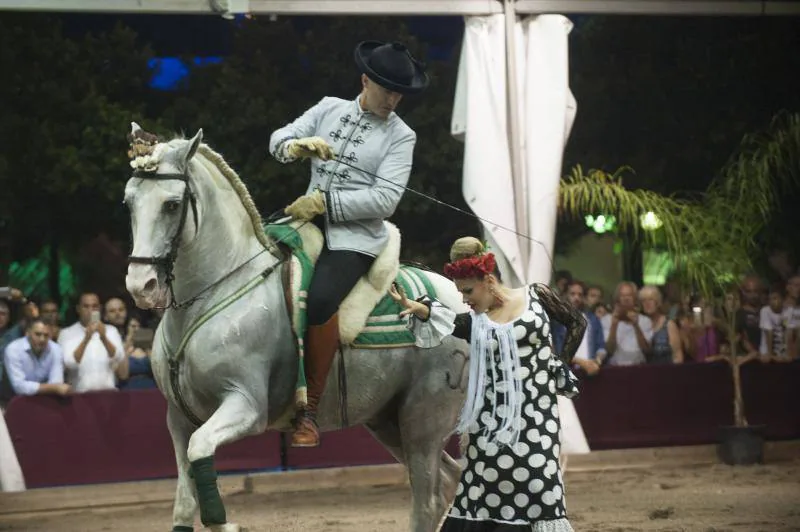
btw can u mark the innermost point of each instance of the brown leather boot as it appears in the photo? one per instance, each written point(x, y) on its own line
point(322, 341)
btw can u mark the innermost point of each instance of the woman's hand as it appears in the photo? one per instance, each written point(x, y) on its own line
point(416, 308)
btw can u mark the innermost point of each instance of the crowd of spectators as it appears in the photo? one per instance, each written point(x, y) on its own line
point(106, 348)
point(661, 325)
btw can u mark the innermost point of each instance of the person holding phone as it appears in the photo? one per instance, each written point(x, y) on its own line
point(92, 350)
point(627, 332)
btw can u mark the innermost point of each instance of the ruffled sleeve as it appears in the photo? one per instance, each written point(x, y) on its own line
point(440, 324)
point(566, 381)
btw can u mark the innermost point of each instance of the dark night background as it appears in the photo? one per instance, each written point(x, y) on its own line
point(669, 97)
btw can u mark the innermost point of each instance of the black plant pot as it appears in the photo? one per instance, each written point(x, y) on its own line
point(741, 445)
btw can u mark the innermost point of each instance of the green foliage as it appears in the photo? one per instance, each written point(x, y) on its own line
point(31, 276)
point(67, 105)
point(711, 237)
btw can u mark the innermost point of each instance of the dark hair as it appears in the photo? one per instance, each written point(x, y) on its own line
point(579, 283)
point(33, 322)
point(778, 288)
point(87, 293)
point(563, 274)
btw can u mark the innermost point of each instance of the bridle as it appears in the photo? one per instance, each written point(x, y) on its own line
point(167, 262)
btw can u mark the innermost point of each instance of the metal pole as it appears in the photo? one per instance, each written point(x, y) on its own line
point(515, 137)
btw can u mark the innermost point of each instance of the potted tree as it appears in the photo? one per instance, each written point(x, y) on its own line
point(712, 238)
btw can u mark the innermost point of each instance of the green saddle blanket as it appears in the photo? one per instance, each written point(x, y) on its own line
point(384, 327)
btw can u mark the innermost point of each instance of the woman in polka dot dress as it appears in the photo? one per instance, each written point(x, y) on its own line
point(512, 480)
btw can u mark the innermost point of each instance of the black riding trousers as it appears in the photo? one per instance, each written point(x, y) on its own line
point(336, 273)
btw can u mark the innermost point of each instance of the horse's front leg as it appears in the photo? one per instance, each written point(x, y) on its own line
point(235, 418)
point(185, 505)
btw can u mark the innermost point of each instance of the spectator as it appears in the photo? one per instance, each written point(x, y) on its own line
point(30, 311)
point(594, 296)
point(135, 371)
point(748, 318)
point(792, 305)
point(562, 280)
point(665, 345)
point(627, 332)
point(683, 320)
point(600, 310)
point(91, 350)
point(774, 322)
point(10, 298)
point(673, 299)
point(5, 320)
point(35, 364)
point(706, 339)
point(5, 317)
point(592, 350)
point(115, 313)
point(49, 314)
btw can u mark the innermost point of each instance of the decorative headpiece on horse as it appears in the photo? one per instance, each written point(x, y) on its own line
point(476, 267)
point(145, 149)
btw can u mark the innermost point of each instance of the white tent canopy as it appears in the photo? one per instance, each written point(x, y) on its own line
point(412, 7)
point(514, 117)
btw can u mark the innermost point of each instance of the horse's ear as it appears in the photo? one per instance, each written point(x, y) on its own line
point(135, 127)
point(191, 147)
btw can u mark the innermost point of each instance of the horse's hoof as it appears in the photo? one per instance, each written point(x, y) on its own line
point(227, 527)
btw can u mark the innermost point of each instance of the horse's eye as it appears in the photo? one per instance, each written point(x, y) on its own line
point(171, 206)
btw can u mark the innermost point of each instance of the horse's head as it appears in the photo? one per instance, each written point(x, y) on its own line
point(163, 212)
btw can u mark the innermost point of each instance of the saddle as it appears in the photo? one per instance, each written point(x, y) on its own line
point(368, 316)
point(304, 243)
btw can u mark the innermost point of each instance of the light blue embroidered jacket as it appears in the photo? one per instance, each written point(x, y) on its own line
point(356, 202)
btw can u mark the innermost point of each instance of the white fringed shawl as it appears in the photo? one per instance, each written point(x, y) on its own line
point(484, 333)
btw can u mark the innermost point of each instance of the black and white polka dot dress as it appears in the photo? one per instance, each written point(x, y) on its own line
point(516, 487)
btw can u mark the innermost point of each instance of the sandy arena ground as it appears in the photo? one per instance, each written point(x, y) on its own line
point(707, 498)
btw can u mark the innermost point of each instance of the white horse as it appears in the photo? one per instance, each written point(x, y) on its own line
point(198, 239)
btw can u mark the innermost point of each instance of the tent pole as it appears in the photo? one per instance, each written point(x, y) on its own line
point(514, 137)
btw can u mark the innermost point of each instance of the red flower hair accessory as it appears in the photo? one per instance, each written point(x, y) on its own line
point(471, 267)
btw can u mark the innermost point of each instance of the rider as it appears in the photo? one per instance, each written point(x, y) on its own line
point(361, 160)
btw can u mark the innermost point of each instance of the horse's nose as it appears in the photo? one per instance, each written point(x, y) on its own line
point(143, 286)
point(150, 285)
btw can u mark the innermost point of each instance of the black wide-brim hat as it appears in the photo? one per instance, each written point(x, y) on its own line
point(391, 66)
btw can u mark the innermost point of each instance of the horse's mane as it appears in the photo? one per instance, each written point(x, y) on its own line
point(241, 191)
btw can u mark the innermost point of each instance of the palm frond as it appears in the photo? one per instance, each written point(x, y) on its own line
point(711, 237)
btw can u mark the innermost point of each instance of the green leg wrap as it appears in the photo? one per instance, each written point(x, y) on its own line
point(212, 511)
point(181, 528)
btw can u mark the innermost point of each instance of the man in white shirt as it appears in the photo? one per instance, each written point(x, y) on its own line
point(776, 324)
point(91, 349)
point(627, 332)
